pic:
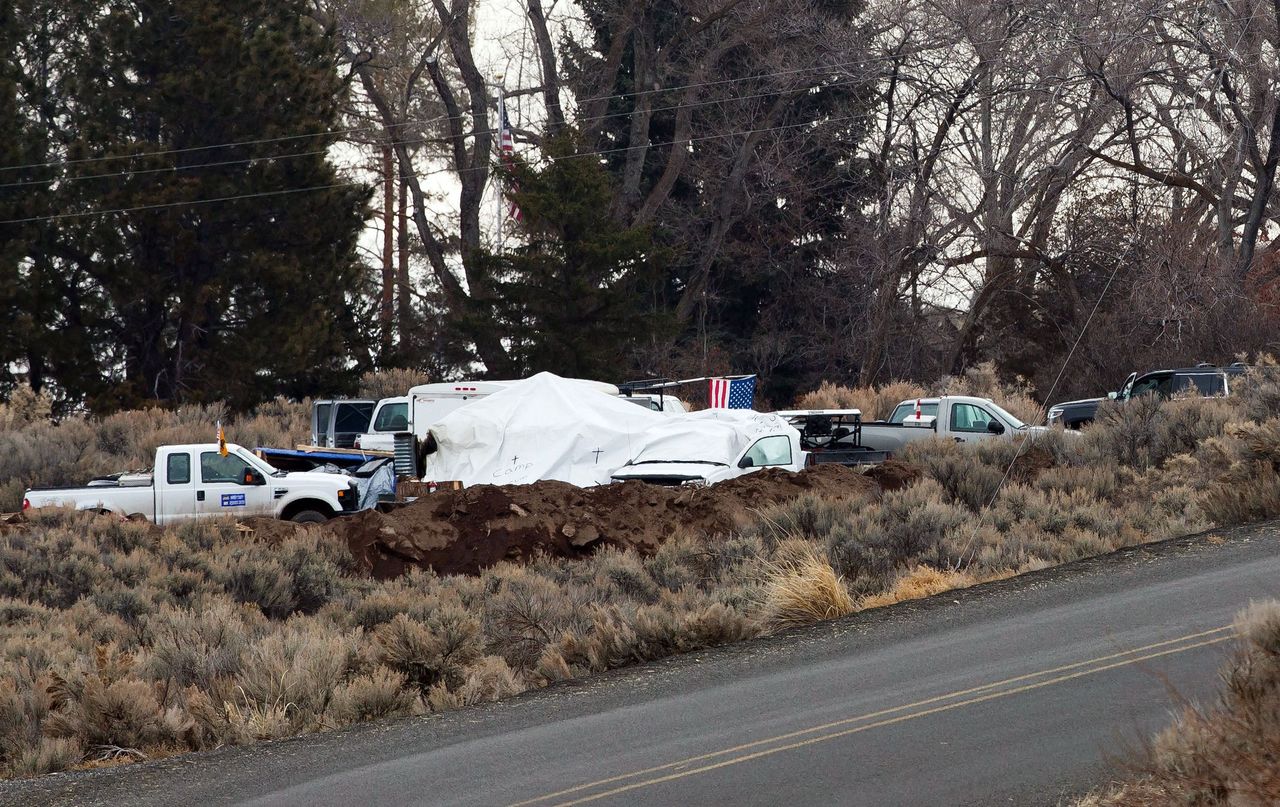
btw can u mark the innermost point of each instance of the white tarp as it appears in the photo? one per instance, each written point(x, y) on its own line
point(712, 435)
point(544, 427)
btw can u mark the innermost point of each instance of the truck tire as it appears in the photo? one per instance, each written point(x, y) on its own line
point(308, 517)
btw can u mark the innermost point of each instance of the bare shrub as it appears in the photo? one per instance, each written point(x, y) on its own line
point(1015, 395)
point(264, 582)
point(379, 694)
point(1257, 393)
point(25, 703)
point(1229, 754)
point(48, 755)
point(963, 474)
point(1248, 487)
point(524, 612)
point(196, 648)
point(489, 679)
point(105, 707)
point(25, 406)
point(430, 652)
point(390, 383)
point(297, 670)
point(875, 403)
point(803, 588)
point(682, 560)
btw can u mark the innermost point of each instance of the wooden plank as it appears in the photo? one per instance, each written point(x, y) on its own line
point(355, 452)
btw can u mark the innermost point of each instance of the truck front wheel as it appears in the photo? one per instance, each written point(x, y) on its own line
point(308, 517)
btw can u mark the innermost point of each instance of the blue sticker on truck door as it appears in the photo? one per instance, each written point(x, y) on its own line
point(233, 500)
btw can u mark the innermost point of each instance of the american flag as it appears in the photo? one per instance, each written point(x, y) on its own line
point(507, 150)
point(733, 393)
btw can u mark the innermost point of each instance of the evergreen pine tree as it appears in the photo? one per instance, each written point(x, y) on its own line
point(583, 290)
point(238, 299)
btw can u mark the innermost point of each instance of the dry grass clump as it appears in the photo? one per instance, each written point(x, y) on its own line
point(917, 583)
point(803, 588)
point(1229, 754)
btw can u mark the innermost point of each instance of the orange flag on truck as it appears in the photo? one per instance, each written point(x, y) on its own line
point(222, 440)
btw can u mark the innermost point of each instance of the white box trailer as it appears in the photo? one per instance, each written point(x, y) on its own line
point(428, 403)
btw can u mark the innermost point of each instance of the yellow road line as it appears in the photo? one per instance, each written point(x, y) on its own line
point(869, 716)
point(901, 718)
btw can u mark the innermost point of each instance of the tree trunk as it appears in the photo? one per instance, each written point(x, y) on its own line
point(385, 301)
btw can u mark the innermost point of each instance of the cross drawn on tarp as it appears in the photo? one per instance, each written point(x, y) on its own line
point(598, 452)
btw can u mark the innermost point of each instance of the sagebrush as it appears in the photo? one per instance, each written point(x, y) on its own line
point(120, 640)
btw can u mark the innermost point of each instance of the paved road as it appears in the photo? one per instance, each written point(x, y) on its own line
point(1011, 693)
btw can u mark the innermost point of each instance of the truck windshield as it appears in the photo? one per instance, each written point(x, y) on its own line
point(257, 462)
point(393, 417)
point(1008, 418)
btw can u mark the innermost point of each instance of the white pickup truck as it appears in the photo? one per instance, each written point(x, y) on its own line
point(197, 481)
point(703, 448)
point(961, 418)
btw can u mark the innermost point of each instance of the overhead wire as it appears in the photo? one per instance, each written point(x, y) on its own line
point(381, 128)
point(970, 549)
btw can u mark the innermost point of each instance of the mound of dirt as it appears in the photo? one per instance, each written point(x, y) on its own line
point(464, 531)
point(894, 474)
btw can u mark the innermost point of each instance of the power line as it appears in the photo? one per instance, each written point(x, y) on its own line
point(287, 191)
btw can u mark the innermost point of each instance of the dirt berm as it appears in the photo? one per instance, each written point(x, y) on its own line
point(462, 532)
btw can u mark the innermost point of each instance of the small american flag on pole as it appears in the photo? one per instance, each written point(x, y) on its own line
point(733, 393)
point(507, 150)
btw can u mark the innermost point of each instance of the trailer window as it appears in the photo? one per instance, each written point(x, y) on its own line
point(774, 450)
point(179, 469)
point(392, 418)
point(216, 468)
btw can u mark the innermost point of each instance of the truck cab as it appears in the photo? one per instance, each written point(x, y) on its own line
point(391, 417)
point(962, 418)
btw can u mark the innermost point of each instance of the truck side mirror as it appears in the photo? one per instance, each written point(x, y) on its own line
point(1113, 395)
point(252, 477)
point(746, 462)
point(995, 427)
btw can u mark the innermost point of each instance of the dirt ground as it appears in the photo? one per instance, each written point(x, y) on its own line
point(462, 532)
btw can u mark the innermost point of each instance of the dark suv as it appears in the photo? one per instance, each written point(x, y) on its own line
point(1204, 380)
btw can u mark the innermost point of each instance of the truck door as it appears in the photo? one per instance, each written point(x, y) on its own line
point(223, 492)
point(175, 489)
point(971, 422)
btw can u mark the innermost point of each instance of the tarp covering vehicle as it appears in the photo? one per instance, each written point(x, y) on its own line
point(545, 427)
point(713, 445)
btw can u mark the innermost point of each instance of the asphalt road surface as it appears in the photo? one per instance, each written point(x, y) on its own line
point(1025, 691)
